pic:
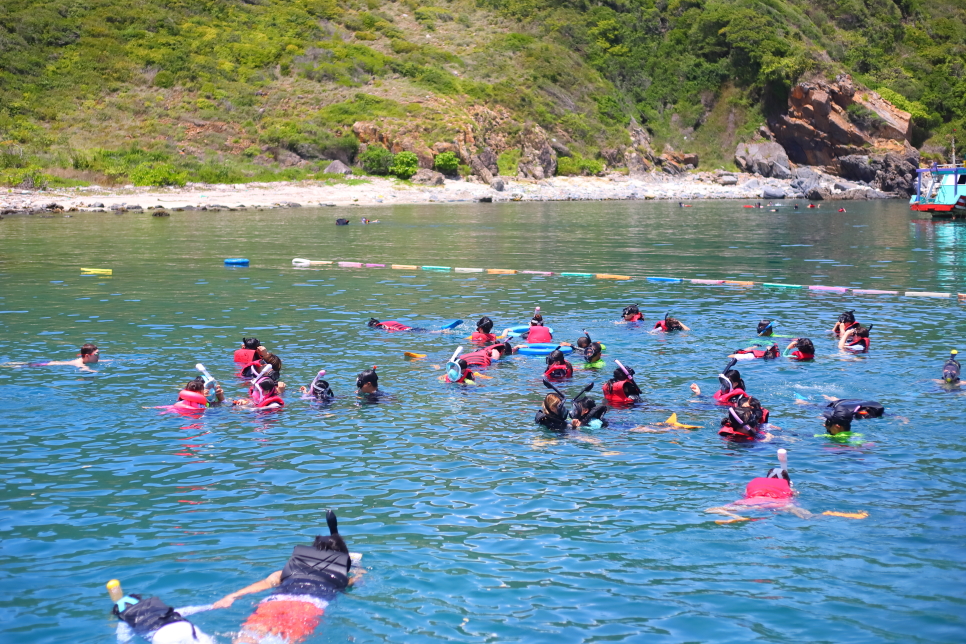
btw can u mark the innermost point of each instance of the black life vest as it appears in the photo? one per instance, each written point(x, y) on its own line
point(596, 413)
point(859, 408)
point(551, 421)
point(148, 615)
point(311, 571)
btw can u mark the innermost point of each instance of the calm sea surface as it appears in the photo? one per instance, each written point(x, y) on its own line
point(475, 524)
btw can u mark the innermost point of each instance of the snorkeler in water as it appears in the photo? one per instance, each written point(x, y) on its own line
point(846, 321)
point(756, 352)
point(319, 390)
point(765, 328)
point(632, 313)
point(670, 324)
point(800, 349)
point(392, 326)
point(248, 351)
point(557, 366)
point(537, 333)
point(771, 492)
point(301, 591)
point(154, 621)
point(367, 384)
point(592, 355)
point(840, 413)
point(741, 425)
point(553, 412)
point(483, 333)
point(622, 388)
point(195, 395)
point(951, 371)
point(856, 339)
point(264, 393)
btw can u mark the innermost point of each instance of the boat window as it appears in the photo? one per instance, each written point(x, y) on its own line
point(962, 180)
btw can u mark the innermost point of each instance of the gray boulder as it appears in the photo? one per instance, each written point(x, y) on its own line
point(307, 150)
point(488, 159)
point(857, 167)
point(818, 194)
point(772, 193)
point(497, 184)
point(767, 159)
point(727, 180)
point(337, 167)
point(428, 178)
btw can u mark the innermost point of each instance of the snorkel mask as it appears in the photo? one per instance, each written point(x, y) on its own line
point(556, 356)
point(373, 322)
point(724, 380)
point(951, 368)
point(765, 327)
point(453, 369)
point(780, 472)
point(320, 388)
point(632, 309)
point(738, 423)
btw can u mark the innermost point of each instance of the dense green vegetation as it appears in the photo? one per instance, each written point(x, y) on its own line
point(163, 91)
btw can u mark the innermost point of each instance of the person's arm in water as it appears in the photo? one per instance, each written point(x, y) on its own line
point(271, 581)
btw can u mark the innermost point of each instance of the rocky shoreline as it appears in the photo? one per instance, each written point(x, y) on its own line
point(805, 183)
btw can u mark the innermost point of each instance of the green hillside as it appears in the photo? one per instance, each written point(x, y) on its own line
point(154, 91)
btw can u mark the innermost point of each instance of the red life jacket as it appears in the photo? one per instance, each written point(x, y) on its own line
point(764, 415)
point(392, 325)
point(482, 337)
point(769, 488)
point(661, 324)
point(729, 398)
point(731, 434)
point(845, 328)
point(463, 376)
point(539, 334)
point(614, 391)
point(637, 317)
point(244, 356)
point(191, 399)
point(559, 370)
point(479, 358)
point(272, 401)
point(863, 342)
point(798, 355)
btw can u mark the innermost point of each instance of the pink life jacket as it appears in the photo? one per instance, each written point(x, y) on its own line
point(244, 356)
point(768, 487)
point(392, 325)
point(729, 398)
point(539, 334)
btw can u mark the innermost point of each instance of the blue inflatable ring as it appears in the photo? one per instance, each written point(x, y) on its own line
point(542, 349)
point(521, 329)
point(236, 261)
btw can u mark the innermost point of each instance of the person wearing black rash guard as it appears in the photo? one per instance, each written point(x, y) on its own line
point(846, 321)
point(153, 620)
point(585, 411)
point(553, 413)
point(839, 414)
point(557, 366)
point(367, 384)
point(311, 578)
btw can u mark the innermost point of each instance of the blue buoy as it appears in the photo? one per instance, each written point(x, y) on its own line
point(236, 261)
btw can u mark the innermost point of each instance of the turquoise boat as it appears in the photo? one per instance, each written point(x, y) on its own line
point(940, 190)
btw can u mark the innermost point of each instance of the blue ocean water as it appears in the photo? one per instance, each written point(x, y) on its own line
point(475, 524)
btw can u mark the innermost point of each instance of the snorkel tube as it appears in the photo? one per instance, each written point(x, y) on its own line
point(725, 381)
point(453, 371)
point(624, 369)
point(765, 329)
point(783, 461)
point(210, 382)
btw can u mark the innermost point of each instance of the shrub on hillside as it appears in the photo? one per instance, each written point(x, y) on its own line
point(577, 165)
point(447, 163)
point(376, 160)
point(509, 163)
point(157, 174)
point(404, 165)
point(164, 79)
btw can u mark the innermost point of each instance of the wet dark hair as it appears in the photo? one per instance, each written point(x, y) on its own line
point(805, 346)
point(749, 402)
point(861, 332)
point(372, 322)
point(198, 384)
point(744, 414)
point(584, 341)
point(267, 385)
point(369, 375)
point(334, 540)
point(673, 324)
point(764, 324)
point(537, 320)
point(484, 324)
point(848, 317)
point(464, 365)
point(630, 309)
point(251, 343)
point(503, 347)
point(773, 351)
point(951, 370)
point(87, 349)
point(556, 357)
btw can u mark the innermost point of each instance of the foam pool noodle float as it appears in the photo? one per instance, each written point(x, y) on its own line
point(672, 421)
point(847, 515)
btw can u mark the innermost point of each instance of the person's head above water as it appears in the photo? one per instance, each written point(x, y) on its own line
point(631, 313)
point(951, 369)
point(741, 419)
point(537, 320)
point(250, 343)
point(766, 328)
point(584, 341)
point(267, 385)
point(805, 346)
point(556, 357)
point(620, 374)
point(838, 420)
point(848, 317)
point(484, 325)
point(89, 353)
point(198, 384)
point(373, 322)
point(673, 324)
point(368, 381)
point(592, 352)
point(553, 404)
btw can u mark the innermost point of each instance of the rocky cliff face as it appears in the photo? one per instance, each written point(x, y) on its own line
point(828, 120)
